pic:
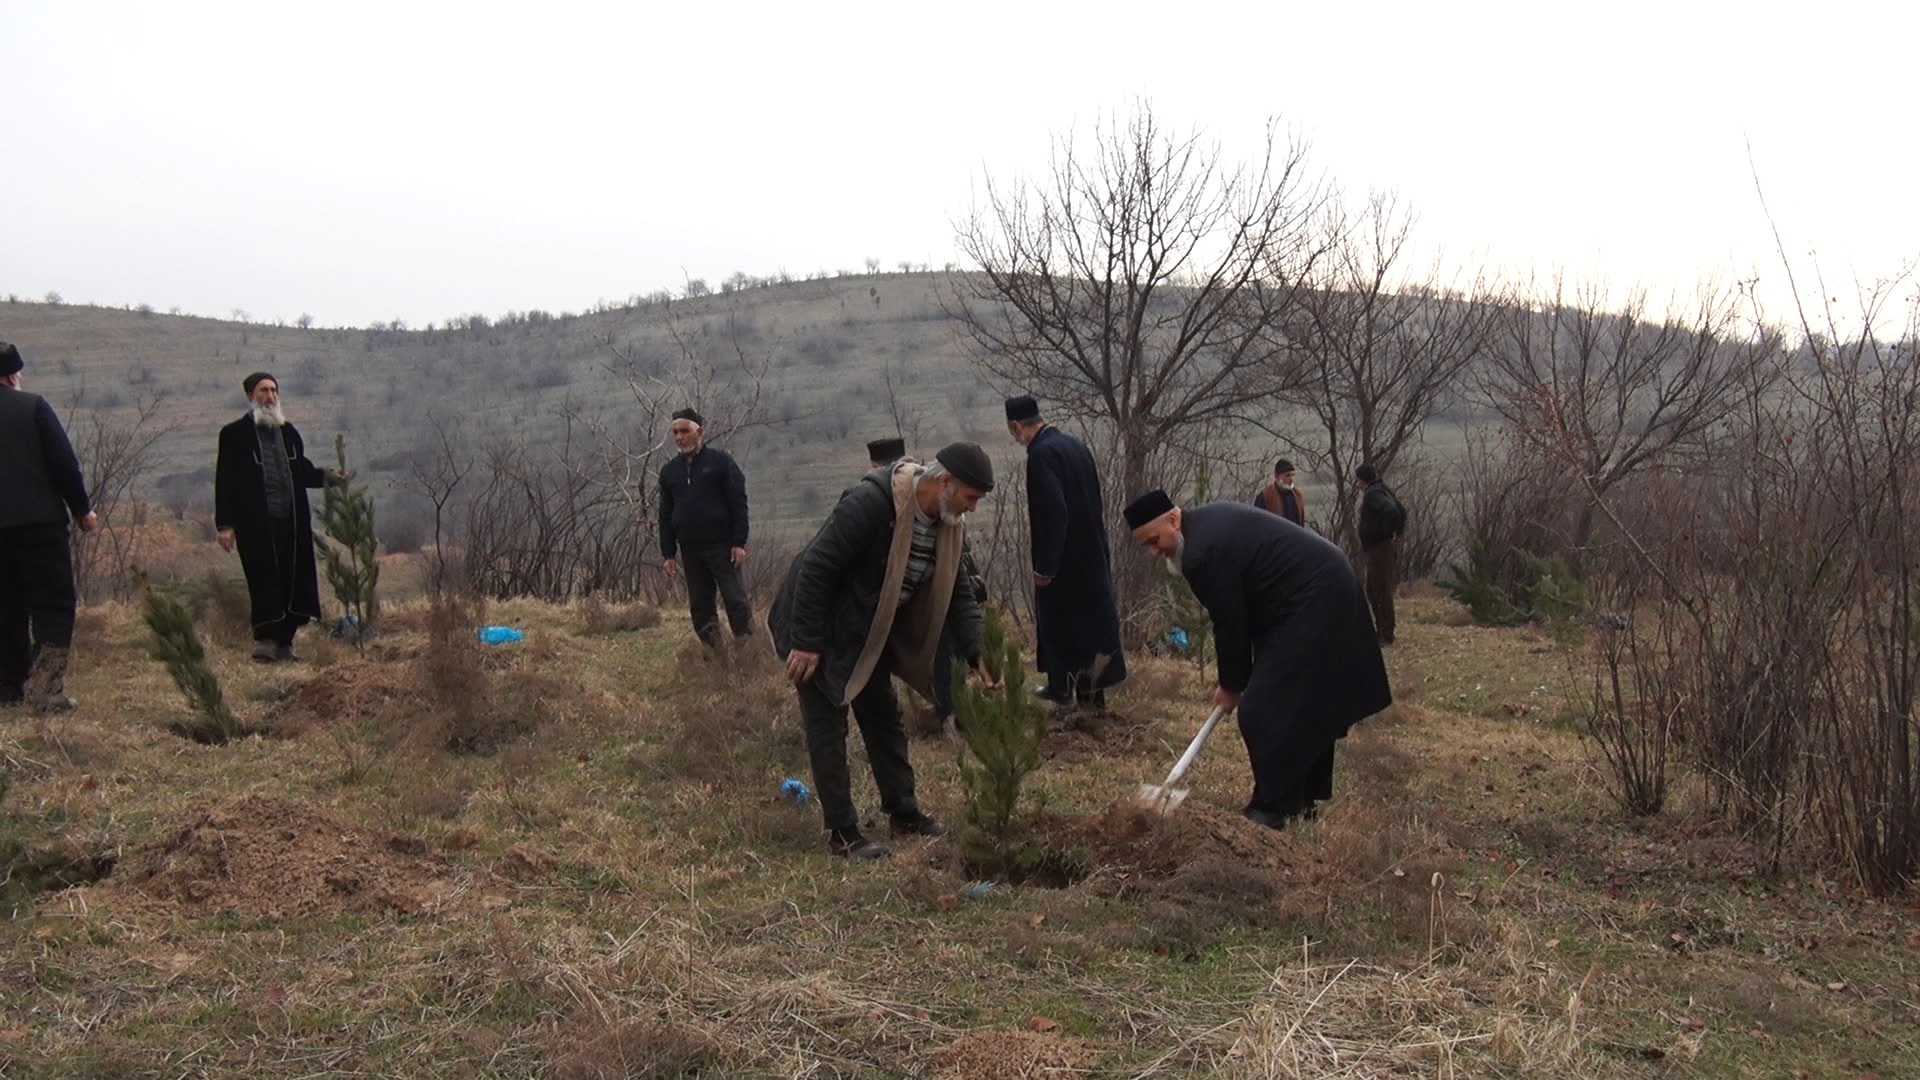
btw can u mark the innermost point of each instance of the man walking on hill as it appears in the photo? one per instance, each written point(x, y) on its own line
point(1296, 649)
point(1281, 497)
point(1075, 616)
point(703, 528)
point(867, 599)
point(260, 479)
point(41, 486)
point(1382, 520)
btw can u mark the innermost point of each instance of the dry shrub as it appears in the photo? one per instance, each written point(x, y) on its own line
point(638, 1049)
point(599, 618)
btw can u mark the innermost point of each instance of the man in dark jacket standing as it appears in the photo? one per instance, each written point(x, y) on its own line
point(868, 599)
point(260, 479)
point(1296, 648)
point(1382, 520)
point(703, 528)
point(41, 486)
point(1076, 618)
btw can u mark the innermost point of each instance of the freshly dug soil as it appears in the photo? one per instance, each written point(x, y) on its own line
point(1132, 843)
point(271, 858)
point(1011, 1055)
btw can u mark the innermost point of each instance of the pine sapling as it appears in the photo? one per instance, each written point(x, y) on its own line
point(1002, 729)
point(176, 643)
point(352, 556)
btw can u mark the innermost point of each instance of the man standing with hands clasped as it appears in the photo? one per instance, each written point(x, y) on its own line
point(1296, 648)
point(41, 486)
point(703, 528)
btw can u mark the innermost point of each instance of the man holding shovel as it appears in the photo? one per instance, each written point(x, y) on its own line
point(1297, 652)
point(868, 598)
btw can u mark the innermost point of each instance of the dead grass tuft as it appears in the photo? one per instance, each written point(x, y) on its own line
point(639, 1049)
point(1012, 1055)
point(599, 618)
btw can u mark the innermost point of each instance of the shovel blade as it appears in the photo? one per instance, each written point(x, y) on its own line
point(1159, 799)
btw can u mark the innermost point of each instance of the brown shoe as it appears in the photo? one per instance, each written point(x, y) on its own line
point(46, 689)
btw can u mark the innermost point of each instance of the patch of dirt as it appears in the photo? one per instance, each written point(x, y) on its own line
point(273, 858)
point(351, 690)
point(1129, 842)
point(1084, 733)
point(1011, 1055)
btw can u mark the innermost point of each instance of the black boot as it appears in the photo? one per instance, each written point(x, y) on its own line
point(917, 824)
point(849, 844)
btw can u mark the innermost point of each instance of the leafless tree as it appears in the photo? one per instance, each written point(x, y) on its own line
point(117, 453)
point(1141, 284)
point(1609, 394)
point(435, 471)
point(1377, 350)
point(908, 419)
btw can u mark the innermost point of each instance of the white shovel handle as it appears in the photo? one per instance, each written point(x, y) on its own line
point(1193, 748)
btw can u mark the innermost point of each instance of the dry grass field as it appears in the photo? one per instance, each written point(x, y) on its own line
point(601, 881)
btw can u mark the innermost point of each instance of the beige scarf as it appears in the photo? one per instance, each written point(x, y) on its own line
point(914, 642)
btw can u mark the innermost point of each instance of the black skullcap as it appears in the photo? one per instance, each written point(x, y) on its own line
point(886, 451)
point(689, 414)
point(968, 463)
point(1282, 466)
point(1147, 507)
point(10, 362)
point(1021, 409)
point(1367, 474)
point(253, 380)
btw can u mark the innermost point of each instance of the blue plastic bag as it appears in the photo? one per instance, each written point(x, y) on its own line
point(1178, 638)
point(795, 792)
point(500, 635)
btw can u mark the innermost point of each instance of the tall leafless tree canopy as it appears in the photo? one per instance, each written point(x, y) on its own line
point(1378, 349)
point(1610, 393)
point(1141, 285)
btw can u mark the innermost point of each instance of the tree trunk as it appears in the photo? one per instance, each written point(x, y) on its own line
point(1131, 564)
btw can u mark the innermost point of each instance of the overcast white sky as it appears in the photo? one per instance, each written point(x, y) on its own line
point(412, 160)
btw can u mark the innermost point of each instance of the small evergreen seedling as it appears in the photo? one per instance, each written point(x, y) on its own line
point(352, 558)
point(1002, 729)
point(176, 643)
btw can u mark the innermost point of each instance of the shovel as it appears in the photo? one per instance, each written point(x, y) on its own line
point(1162, 798)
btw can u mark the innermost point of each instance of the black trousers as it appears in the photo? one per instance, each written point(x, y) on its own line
point(1291, 791)
point(280, 631)
point(943, 661)
point(1383, 572)
point(877, 711)
point(36, 599)
point(710, 570)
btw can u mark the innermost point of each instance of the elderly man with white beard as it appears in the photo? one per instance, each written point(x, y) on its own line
point(260, 484)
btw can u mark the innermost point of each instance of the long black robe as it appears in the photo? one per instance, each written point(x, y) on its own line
point(1076, 617)
point(1294, 638)
point(240, 504)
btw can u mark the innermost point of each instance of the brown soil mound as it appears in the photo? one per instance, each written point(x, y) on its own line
point(270, 858)
point(1011, 1055)
point(1131, 842)
point(351, 690)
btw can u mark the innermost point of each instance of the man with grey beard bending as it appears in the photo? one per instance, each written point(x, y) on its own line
point(260, 484)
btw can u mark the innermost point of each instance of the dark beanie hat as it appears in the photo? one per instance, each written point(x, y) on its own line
point(886, 451)
point(10, 362)
point(689, 414)
point(253, 380)
point(1282, 466)
point(1147, 507)
point(968, 463)
point(1367, 474)
point(1023, 408)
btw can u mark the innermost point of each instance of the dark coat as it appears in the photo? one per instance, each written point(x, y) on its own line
point(1382, 517)
point(1275, 499)
point(831, 592)
point(240, 504)
point(703, 502)
point(41, 482)
point(1284, 601)
point(1076, 617)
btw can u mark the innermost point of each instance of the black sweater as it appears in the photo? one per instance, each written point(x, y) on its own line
point(40, 482)
point(703, 502)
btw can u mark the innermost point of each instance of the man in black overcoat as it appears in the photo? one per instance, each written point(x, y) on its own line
point(1297, 652)
point(41, 488)
point(260, 482)
point(1076, 618)
point(868, 598)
